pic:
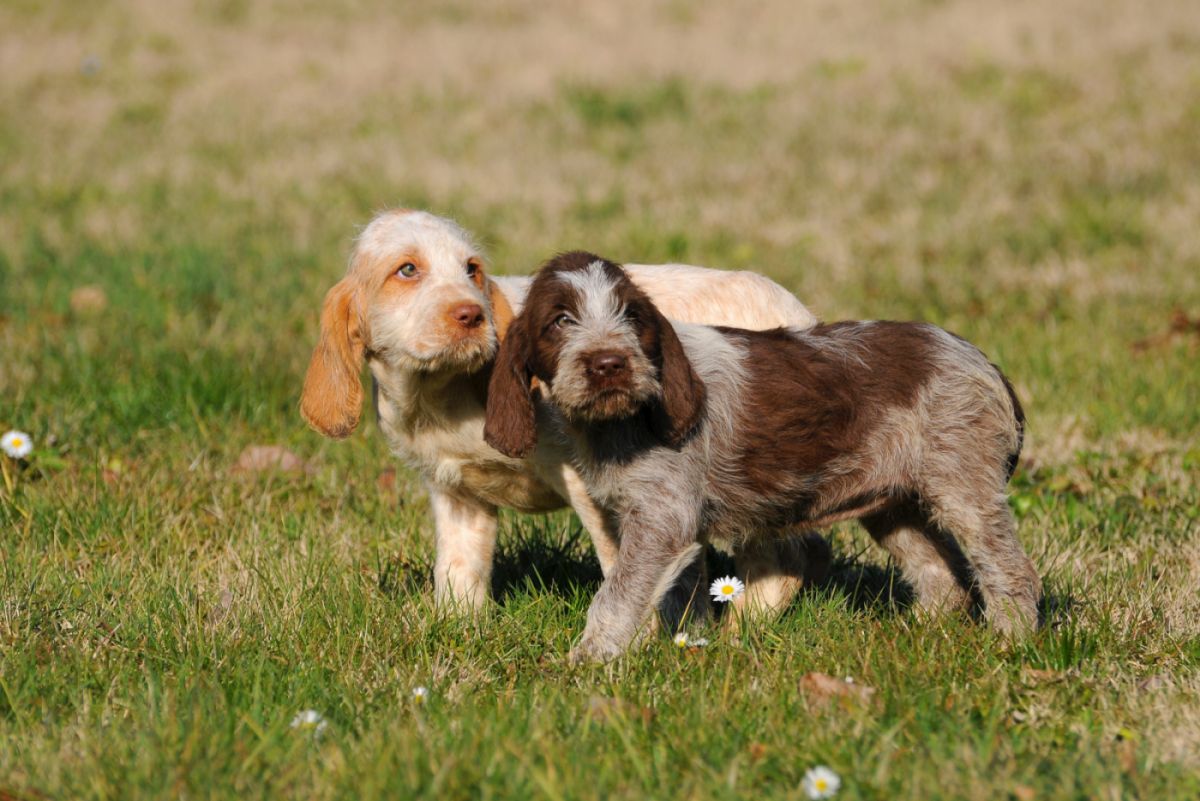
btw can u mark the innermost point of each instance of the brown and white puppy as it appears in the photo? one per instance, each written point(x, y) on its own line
point(417, 306)
point(691, 434)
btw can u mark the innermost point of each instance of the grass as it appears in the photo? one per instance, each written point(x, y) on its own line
point(1019, 174)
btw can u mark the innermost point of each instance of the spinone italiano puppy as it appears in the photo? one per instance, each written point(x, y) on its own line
point(689, 434)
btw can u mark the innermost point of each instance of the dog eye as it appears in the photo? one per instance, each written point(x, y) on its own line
point(562, 321)
point(472, 269)
point(408, 269)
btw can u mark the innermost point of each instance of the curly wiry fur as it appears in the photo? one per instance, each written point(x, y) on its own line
point(742, 434)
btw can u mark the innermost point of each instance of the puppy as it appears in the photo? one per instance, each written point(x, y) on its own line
point(418, 306)
point(691, 434)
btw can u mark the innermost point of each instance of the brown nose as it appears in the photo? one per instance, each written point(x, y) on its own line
point(468, 315)
point(606, 364)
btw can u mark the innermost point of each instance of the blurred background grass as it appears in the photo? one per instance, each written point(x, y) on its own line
point(1026, 174)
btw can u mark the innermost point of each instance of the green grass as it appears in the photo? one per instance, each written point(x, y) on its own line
point(163, 617)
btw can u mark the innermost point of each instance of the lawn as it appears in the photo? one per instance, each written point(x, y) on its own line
point(181, 181)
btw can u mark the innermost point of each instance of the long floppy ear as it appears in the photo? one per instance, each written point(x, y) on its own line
point(502, 310)
point(511, 423)
point(683, 395)
point(332, 397)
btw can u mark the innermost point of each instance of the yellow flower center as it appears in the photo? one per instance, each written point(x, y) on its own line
point(727, 589)
point(17, 442)
point(822, 784)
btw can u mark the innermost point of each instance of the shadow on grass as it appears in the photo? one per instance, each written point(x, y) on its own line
point(875, 589)
point(559, 562)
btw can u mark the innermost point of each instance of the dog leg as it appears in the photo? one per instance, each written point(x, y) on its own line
point(465, 544)
point(655, 551)
point(929, 561)
point(599, 525)
point(775, 570)
point(1004, 574)
point(685, 602)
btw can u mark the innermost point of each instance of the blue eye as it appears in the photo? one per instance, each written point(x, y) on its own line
point(408, 269)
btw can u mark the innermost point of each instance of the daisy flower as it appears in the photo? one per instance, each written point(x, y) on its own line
point(680, 640)
point(820, 782)
point(17, 444)
point(419, 694)
point(310, 720)
point(726, 589)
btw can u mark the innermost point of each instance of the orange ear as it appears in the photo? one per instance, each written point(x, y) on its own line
point(332, 397)
point(502, 310)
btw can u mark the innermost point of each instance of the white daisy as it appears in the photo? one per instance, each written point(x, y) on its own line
point(310, 720)
point(17, 444)
point(680, 640)
point(419, 694)
point(821, 782)
point(726, 589)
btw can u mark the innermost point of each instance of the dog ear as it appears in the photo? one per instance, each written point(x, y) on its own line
point(332, 398)
point(502, 310)
point(683, 392)
point(511, 423)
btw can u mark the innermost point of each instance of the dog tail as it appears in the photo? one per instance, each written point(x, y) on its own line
point(1019, 417)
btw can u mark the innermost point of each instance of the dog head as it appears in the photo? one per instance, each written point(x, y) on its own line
point(414, 298)
point(599, 349)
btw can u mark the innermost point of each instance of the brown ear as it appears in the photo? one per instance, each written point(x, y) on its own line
point(332, 397)
point(511, 423)
point(502, 310)
point(683, 392)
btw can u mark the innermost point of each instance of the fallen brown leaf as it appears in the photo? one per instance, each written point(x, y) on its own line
point(756, 751)
point(1180, 325)
point(26, 795)
point(822, 690)
point(261, 458)
point(387, 480)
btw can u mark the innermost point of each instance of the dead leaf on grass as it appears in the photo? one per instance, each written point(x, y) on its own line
point(387, 480)
point(1180, 325)
point(263, 458)
point(822, 690)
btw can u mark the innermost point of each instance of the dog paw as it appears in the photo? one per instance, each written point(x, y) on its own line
point(593, 650)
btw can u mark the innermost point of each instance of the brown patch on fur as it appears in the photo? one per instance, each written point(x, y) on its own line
point(813, 401)
point(331, 401)
point(511, 422)
point(683, 392)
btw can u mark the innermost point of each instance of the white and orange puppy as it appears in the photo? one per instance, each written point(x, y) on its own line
point(418, 307)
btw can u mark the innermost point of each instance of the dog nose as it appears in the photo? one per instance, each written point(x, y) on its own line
point(606, 364)
point(468, 315)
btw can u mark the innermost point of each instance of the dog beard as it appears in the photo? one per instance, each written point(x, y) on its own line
point(467, 355)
